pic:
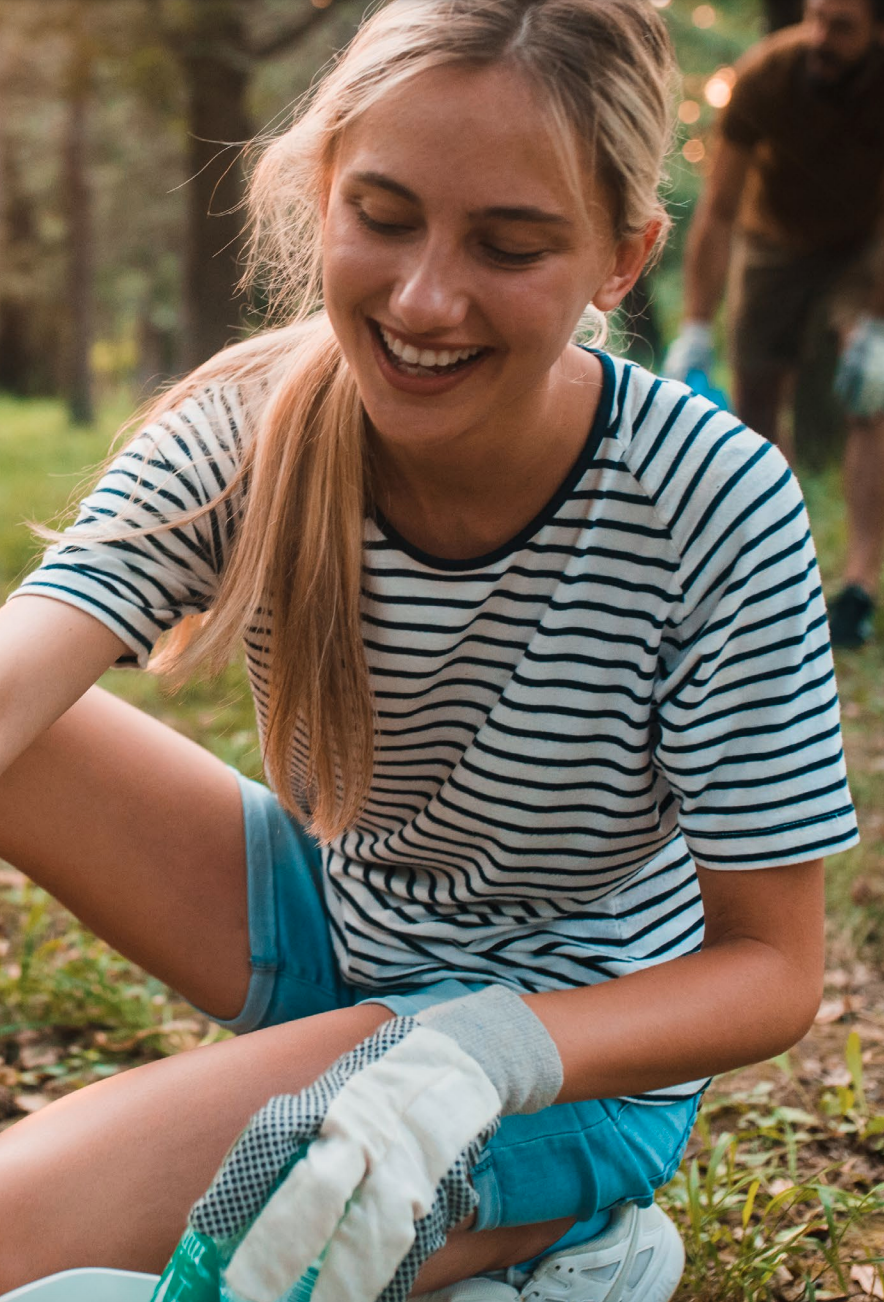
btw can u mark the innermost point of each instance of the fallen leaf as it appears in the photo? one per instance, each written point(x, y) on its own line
point(832, 1010)
point(39, 1055)
point(847, 1005)
point(868, 1279)
point(30, 1102)
point(837, 1076)
point(867, 890)
point(183, 1028)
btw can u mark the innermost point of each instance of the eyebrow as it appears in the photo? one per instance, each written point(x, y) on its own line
point(498, 213)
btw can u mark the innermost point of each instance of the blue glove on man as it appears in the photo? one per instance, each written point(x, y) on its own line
point(691, 350)
point(859, 380)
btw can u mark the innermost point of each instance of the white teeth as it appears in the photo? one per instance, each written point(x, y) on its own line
point(426, 357)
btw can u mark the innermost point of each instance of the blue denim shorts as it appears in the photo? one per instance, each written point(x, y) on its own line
point(574, 1160)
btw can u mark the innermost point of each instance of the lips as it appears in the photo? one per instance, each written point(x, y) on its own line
point(425, 359)
point(423, 370)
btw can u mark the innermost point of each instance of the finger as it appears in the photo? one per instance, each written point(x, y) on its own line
point(372, 1240)
point(297, 1222)
point(251, 1170)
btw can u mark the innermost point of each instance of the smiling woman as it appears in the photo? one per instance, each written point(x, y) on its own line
point(457, 260)
point(540, 667)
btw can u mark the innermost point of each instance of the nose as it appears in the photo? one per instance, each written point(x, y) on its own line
point(818, 36)
point(431, 293)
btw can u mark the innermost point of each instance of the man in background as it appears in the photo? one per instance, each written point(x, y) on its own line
point(792, 219)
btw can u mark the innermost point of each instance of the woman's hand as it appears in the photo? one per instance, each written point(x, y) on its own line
point(383, 1146)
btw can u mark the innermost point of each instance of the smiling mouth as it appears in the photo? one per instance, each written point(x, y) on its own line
point(425, 362)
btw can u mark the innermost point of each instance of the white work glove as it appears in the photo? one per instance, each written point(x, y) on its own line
point(397, 1127)
point(691, 351)
point(859, 380)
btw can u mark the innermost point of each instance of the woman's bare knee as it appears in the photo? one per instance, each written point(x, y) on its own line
point(106, 1176)
point(135, 828)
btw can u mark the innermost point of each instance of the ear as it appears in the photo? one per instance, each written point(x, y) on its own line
point(630, 256)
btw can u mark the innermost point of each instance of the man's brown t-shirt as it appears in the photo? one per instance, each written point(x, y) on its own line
point(816, 180)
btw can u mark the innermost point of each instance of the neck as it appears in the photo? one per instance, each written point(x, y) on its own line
point(474, 492)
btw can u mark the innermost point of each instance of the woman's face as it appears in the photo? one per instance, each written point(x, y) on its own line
point(457, 260)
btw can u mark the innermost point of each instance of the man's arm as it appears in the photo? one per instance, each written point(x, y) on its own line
point(859, 380)
point(709, 239)
point(706, 260)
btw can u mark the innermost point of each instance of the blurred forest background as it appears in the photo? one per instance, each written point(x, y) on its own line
point(121, 126)
point(121, 123)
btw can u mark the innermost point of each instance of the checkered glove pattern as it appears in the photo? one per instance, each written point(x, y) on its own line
point(859, 380)
point(241, 1196)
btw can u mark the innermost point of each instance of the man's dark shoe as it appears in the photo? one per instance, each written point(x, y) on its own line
point(851, 617)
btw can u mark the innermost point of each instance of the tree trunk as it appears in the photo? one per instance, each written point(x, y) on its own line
point(216, 68)
point(77, 201)
point(16, 234)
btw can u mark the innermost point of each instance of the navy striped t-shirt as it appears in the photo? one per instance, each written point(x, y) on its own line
point(640, 681)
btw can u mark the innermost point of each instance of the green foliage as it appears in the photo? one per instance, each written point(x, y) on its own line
point(761, 1207)
point(64, 977)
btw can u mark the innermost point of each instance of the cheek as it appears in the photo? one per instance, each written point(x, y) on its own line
point(545, 312)
point(348, 268)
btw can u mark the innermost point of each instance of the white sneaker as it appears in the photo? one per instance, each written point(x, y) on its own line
point(639, 1258)
point(479, 1289)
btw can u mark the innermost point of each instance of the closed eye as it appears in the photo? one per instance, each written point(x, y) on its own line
point(501, 257)
point(381, 228)
point(508, 259)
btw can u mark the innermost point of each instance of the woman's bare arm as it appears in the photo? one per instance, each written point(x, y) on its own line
point(50, 654)
point(751, 992)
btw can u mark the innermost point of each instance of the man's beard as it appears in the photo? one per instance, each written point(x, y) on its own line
point(830, 75)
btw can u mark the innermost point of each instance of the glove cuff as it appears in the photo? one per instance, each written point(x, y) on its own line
point(509, 1042)
point(871, 326)
point(697, 333)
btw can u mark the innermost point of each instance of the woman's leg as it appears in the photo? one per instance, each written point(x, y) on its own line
point(106, 1176)
point(139, 832)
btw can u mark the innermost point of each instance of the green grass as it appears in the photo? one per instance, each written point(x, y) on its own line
point(780, 1196)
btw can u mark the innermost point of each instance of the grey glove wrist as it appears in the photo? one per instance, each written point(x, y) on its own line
point(509, 1042)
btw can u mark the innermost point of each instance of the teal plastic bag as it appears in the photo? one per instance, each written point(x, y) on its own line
point(195, 1274)
point(196, 1270)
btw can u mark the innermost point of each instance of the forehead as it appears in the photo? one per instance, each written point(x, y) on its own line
point(855, 12)
point(480, 136)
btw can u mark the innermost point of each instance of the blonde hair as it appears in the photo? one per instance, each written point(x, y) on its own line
point(604, 68)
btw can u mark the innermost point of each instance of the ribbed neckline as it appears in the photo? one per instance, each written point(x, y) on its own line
point(597, 430)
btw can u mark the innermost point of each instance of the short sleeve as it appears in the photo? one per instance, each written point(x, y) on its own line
point(744, 120)
point(749, 734)
point(142, 585)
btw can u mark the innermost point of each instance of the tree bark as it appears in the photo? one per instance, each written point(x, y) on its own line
point(77, 205)
point(216, 67)
point(16, 235)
